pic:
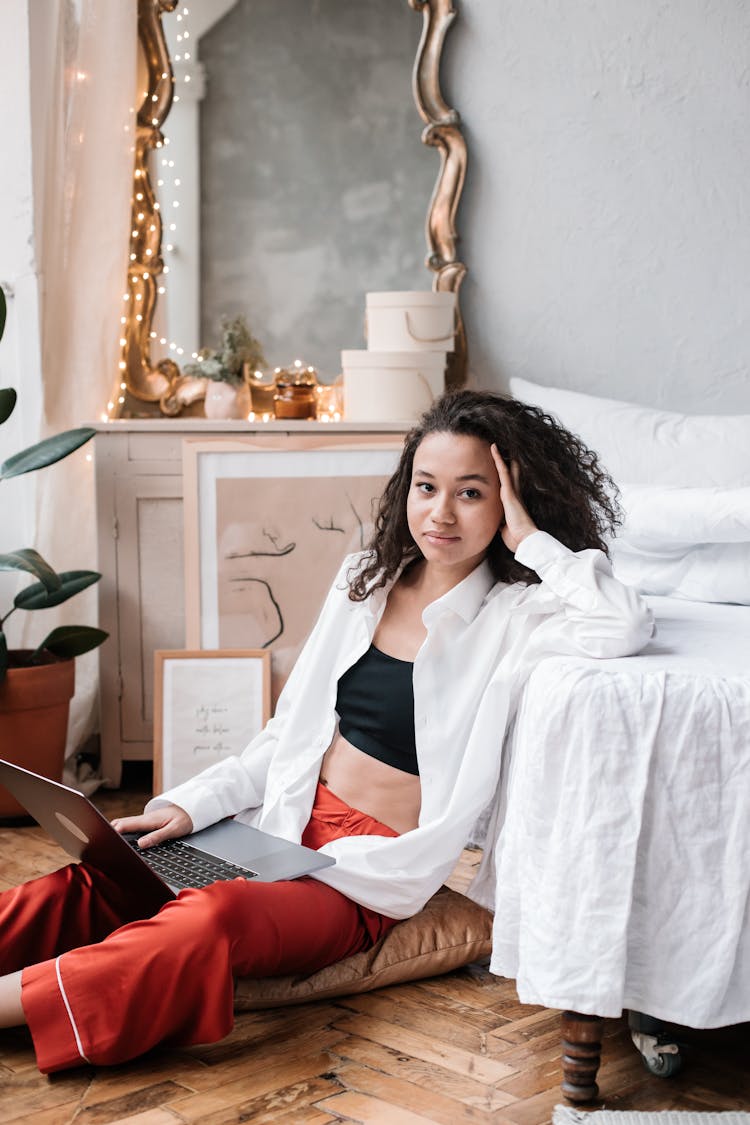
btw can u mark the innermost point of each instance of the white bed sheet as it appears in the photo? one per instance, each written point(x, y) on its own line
point(623, 862)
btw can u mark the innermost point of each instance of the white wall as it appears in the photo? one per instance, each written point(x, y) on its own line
point(20, 363)
point(606, 219)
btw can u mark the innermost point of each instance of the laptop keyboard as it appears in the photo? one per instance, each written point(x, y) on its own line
point(182, 865)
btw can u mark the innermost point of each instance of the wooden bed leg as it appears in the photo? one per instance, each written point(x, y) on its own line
point(582, 1044)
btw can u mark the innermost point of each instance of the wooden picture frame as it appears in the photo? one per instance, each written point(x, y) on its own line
point(208, 705)
point(268, 521)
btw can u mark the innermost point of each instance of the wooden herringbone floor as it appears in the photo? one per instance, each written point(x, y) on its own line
point(454, 1049)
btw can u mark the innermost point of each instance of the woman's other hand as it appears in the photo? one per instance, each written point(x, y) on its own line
point(161, 824)
point(518, 523)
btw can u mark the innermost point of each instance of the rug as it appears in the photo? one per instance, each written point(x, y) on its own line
point(568, 1115)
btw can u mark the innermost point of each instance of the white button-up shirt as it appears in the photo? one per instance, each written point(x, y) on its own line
point(483, 639)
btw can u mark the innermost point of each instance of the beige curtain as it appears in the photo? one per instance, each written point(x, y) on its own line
point(85, 159)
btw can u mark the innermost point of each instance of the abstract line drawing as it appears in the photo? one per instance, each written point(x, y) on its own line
point(279, 542)
point(261, 554)
point(359, 521)
point(276, 553)
point(268, 610)
point(330, 526)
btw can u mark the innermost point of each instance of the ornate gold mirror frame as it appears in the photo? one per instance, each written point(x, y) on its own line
point(162, 383)
point(443, 131)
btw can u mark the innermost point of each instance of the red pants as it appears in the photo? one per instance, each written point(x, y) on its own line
point(169, 979)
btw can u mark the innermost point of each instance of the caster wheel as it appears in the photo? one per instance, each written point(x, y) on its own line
point(660, 1056)
point(663, 1066)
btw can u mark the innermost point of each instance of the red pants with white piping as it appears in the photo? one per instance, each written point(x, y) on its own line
point(101, 985)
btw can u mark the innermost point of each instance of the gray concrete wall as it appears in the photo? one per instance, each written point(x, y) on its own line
point(605, 222)
point(315, 183)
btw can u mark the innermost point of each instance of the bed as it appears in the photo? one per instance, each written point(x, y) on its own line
point(623, 864)
point(622, 858)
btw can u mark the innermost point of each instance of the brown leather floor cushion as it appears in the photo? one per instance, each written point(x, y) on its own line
point(449, 932)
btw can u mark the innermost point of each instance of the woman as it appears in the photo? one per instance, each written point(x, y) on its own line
point(488, 555)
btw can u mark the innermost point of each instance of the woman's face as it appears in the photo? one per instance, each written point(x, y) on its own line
point(454, 507)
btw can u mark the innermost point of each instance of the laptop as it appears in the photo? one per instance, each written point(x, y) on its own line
point(226, 850)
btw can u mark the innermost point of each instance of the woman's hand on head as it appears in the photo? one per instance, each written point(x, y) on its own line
point(518, 523)
point(166, 823)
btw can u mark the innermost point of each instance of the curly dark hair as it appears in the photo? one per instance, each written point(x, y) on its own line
point(563, 486)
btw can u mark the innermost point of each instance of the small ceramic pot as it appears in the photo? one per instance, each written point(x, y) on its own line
point(220, 401)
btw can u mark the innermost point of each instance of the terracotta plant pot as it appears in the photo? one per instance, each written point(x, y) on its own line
point(34, 704)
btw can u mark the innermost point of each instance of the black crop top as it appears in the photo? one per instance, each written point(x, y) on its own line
point(375, 704)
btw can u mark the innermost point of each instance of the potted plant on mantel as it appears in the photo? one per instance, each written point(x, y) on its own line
point(36, 685)
point(225, 368)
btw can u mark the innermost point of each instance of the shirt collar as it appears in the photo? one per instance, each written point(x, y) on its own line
point(465, 598)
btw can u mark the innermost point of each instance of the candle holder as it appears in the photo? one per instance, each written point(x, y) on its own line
point(329, 402)
point(295, 396)
point(262, 388)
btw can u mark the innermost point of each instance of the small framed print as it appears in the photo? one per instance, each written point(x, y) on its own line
point(208, 704)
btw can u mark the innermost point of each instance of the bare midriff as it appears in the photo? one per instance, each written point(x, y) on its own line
point(389, 795)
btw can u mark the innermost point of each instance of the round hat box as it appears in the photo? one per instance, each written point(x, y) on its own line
point(410, 321)
point(391, 386)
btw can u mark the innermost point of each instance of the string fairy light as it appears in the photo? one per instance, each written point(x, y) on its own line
point(139, 230)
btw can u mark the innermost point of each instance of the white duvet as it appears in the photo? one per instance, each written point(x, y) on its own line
point(623, 864)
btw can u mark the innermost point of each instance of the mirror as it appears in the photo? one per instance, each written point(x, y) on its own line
point(293, 181)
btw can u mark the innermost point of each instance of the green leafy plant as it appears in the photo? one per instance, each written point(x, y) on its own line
point(224, 364)
point(50, 588)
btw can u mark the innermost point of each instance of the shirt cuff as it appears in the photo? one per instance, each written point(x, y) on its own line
point(539, 550)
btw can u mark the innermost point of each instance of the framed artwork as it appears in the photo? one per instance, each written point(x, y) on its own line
point(268, 522)
point(207, 706)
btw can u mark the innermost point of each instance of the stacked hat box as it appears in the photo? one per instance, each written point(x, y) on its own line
point(409, 335)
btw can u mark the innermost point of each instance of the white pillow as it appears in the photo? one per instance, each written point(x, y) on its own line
point(658, 517)
point(706, 572)
point(646, 446)
point(685, 542)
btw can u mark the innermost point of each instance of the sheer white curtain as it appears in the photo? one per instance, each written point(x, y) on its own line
point(84, 164)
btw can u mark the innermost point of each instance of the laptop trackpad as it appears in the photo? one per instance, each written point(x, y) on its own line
point(236, 842)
